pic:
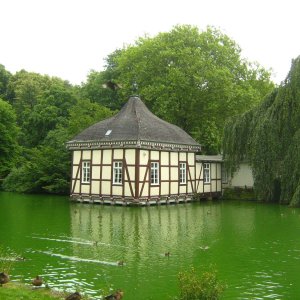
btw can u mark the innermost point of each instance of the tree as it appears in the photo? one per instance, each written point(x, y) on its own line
point(41, 103)
point(268, 137)
point(46, 167)
point(8, 138)
point(196, 80)
point(4, 79)
point(84, 114)
point(94, 88)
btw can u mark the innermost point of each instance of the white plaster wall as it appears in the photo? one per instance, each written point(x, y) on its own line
point(164, 173)
point(96, 156)
point(130, 156)
point(164, 158)
point(118, 154)
point(154, 190)
point(85, 188)
point(105, 185)
point(106, 172)
point(242, 177)
point(86, 154)
point(76, 157)
point(117, 190)
point(144, 157)
point(145, 190)
point(131, 172)
point(191, 159)
point(96, 172)
point(95, 187)
point(154, 155)
point(77, 185)
point(182, 156)
point(107, 156)
point(174, 188)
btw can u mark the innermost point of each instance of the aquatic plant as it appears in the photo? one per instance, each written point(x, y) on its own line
point(7, 259)
point(199, 287)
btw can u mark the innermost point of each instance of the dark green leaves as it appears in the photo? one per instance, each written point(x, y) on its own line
point(268, 137)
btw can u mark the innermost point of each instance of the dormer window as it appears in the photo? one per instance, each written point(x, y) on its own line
point(108, 132)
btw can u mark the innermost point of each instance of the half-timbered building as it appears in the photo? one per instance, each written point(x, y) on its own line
point(135, 157)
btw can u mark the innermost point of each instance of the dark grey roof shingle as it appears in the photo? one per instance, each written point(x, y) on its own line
point(135, 122)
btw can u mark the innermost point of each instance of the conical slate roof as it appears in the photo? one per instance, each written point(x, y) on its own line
point(134, 123)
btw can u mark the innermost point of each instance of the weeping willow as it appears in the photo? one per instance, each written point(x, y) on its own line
point(268, 138)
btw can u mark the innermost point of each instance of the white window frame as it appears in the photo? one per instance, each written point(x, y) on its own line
point(86, 171)
point(182, 173)
point(206, 173)
point(154, 173)
point(118, 172)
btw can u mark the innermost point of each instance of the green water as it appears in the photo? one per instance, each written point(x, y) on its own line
point(254, 247)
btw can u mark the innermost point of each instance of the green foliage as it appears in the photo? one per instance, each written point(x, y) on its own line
point(41, 103)
point(199, 287)
point(46, 167)
point(8, 138)
point(268, 137)
point(85, 114)
point(6, 260)
point(238, 194)
point(196, 80)
point(4, 80)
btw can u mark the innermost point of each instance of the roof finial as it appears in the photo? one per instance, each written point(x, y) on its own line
point(135, 88)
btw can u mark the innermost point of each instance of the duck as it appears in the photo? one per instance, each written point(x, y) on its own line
point(74, 296)
point(20, 258)
point(4, 278)
point(37, 281)
point(121, 263)
point(117, 295)
point(204, 247)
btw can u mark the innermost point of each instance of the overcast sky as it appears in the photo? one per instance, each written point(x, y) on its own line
point(68, 38)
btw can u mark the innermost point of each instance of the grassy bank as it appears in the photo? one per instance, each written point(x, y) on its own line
point(18, 291)
point(239, 194)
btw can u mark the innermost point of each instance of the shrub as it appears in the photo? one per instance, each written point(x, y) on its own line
point(197, 287)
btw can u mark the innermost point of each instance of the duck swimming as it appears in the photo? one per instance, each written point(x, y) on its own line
point(74, 296)
point(4, 278)
point(118, 295)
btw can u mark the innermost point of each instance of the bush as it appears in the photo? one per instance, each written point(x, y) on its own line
point(196, 287)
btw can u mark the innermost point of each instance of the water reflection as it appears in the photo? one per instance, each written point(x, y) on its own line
point(255, 248)
point(131, 233)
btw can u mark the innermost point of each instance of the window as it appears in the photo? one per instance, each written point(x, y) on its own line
point(154, 174)
point(117, 172)
point(108, 132)
point(182, 173)
point(224, 174)
point(206, 172)
point(86, 172)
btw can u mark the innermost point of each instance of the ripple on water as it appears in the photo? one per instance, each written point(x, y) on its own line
point(263, 286)
point(75, 258)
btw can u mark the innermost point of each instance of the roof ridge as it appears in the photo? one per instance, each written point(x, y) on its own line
point(137, 117)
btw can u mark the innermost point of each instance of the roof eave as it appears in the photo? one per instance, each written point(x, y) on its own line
point(74, 145)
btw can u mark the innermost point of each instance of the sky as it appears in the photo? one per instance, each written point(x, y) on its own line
point(69, 38)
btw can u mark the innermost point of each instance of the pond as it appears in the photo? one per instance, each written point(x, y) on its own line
point(255, 248)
